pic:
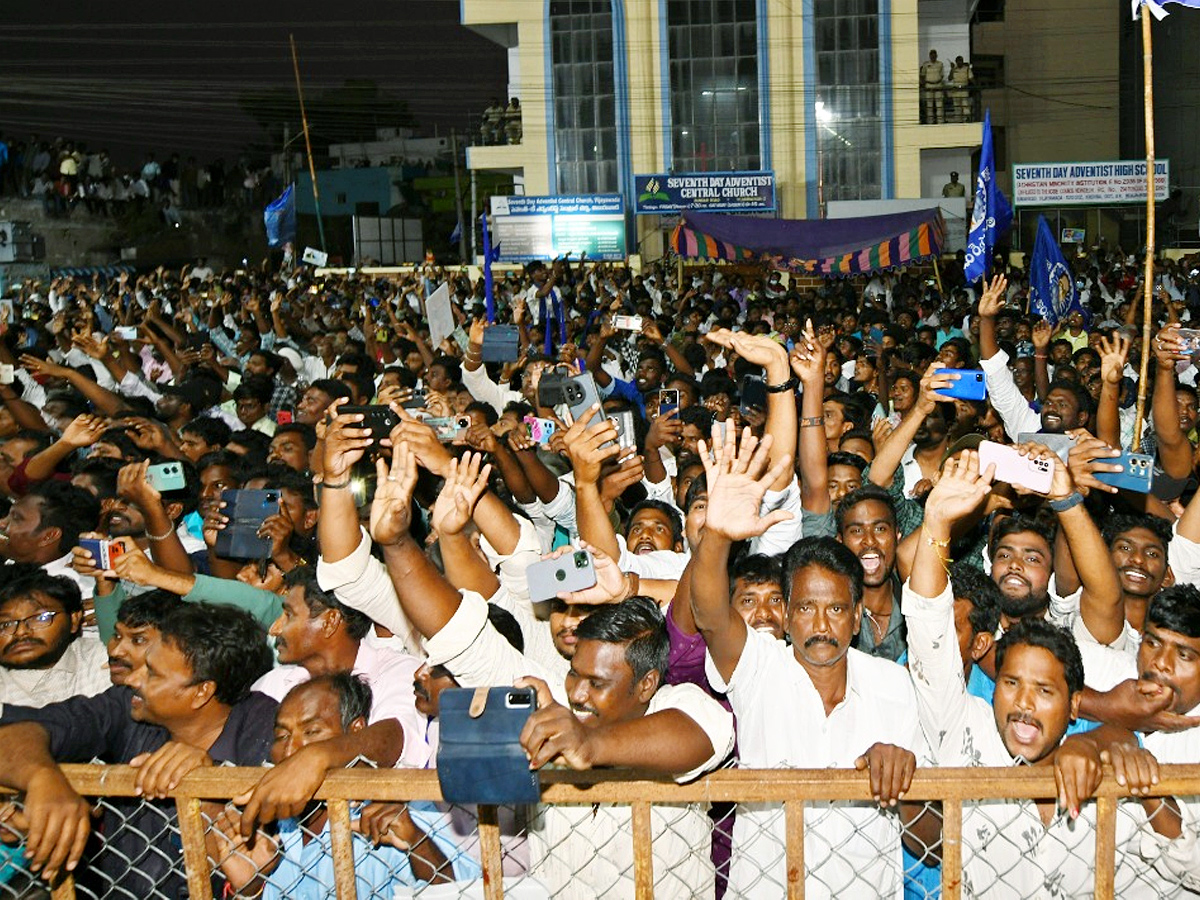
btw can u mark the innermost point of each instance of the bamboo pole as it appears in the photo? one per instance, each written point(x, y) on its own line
point(1148, 285)
point(312, 172)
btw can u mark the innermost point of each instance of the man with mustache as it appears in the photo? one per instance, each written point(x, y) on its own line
point(44, 656)
point(808, 704)
point(1039, 686)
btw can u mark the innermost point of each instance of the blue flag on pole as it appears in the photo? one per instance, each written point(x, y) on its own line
point(991, 215)
point(280, 218)
point(456, 234)
point(490, 255)
point(1052, 291)
point(1156, 6)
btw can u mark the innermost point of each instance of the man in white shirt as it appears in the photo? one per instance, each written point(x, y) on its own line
point(44, 655)
point(817, 703)
point(618, 714)
point(1014, 848)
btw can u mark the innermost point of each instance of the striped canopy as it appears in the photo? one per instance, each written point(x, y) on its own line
point(835, 247)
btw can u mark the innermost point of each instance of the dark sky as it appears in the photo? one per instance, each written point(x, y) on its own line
point(134, 75)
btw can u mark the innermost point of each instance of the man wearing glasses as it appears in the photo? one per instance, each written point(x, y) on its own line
point(44, 657)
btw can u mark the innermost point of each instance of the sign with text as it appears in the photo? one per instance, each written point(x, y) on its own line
point(1095, 183)
point(718, 192)
point(529, 228)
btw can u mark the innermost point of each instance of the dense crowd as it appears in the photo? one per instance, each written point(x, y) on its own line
point(803, 548)
point(67, 175)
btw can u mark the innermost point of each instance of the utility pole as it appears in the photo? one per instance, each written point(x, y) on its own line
point(458, 201)
point(474, 212)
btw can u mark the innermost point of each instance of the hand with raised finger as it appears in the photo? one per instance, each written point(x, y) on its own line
point(160, 772)
point(808, 358)
point(890, 769)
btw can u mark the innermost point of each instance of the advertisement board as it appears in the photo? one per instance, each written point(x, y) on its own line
point(528, 228)
point(1095, 183)
point(718, 192)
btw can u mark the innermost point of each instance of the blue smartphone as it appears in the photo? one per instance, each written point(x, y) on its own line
point(1137, 474)
point(971, 384)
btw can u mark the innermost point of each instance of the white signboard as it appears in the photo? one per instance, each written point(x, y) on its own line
point(314, 257)
point(439, 315)
point(1093, 183)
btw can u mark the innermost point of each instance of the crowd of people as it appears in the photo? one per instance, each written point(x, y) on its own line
point(67, 175)
point(803, 557)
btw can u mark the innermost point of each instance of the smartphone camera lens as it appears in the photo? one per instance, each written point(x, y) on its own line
point(581, 559)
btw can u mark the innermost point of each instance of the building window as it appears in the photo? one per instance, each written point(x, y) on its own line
point(988, 71)
point(849, 118)
point(714, 85)
point(585, 117)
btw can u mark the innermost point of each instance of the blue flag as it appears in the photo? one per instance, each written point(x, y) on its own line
point(280, 218)
point(489, 257)
point(1156, 6)
point(456, 234)
point(1052, 291)
point(991, 215)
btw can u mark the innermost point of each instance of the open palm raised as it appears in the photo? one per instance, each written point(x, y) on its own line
point(738, 479)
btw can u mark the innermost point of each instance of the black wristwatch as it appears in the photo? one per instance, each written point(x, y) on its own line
point(789, 385)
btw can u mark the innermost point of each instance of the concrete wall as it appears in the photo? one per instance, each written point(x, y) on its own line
point(1061, 67)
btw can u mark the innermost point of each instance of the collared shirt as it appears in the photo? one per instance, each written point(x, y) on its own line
point(141, 854)
point(1007, 849)
point(81, 670)
point(894, 640)
point(390, 674)
point(781, 723)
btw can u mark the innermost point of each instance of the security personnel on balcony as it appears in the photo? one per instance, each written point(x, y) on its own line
point(933, 75)
point(960, 90)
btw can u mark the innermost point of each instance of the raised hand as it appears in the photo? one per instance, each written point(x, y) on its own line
point(345, 442)
point(1042, 333)
point(391, 508)
point(737, 481)
point(1088, 456)
point(960, 489)
point(1114, 353)
point(466, 481)
point(931, 382)
point(808, 358)
point(992, 299)
point(584, 446)
point(1169, 347)
point(84, 430)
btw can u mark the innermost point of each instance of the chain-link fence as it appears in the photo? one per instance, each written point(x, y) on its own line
point(734, 834)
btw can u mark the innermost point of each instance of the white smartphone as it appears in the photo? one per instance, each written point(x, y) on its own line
point(1034, 474)
point(8, 373)
point(127, 332)
point(627, 323)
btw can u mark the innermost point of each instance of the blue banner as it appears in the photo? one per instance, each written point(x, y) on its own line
point(490, 255)
point(1156, 6)
point(991, 214)
point(1052, 291)
point(720, 192)
point(280, 218)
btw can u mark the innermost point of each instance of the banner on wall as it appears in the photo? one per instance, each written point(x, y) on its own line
point(528, 228)
point(1097, 183)
point(717, 192)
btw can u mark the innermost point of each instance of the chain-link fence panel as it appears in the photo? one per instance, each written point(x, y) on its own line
point(636, 841)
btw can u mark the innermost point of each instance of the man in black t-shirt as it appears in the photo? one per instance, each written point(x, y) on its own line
point(189, 705)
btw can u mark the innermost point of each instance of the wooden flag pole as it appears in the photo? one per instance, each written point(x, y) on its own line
point(312, 172)
point(1148, 286)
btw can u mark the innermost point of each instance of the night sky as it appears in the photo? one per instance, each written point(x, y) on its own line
point(134, 76)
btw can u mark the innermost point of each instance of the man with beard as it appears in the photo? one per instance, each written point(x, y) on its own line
point(44, 656)
point(1039, 686)
point(866, 524)
point(188, 705)
point(1067, 405)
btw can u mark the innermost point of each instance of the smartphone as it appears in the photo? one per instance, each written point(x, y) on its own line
point(378, 418)
point(166, 476)
point(8, 373)
point(570, 572)
point(1061, 444)
point(627, 323)
point(246, 511)
point(449, 428)
point(1137, 474)
point(1034, 474)
point(284, 417)
point(668, 399)
point(540, 430)
point(416, 401)
point(753, 393)
point(127, 332)
point(626, 435)
point(580, 393)
point(104, 553)
point(501, 343)
point(971, 384)
point(480, 757)
point(1190, 338)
